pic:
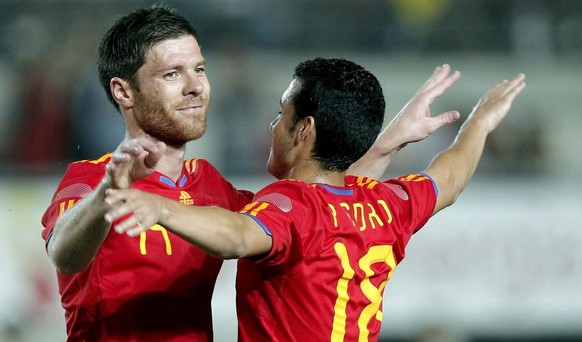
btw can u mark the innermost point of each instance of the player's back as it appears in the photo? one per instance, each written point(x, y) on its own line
point(334, 249)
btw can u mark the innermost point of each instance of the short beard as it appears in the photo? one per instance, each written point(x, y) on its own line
point(162, 123)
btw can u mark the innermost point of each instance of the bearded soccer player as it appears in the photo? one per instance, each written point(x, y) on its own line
point(317, 247)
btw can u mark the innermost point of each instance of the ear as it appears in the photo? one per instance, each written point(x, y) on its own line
point(305, 130)
point(122, 92)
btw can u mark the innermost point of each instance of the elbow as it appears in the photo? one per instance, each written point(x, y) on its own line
point(68, 268)
point(449, 190)
point(63, 263)
point(234, 247)
point(226, 255)
point(454, 198)
point(235, 250)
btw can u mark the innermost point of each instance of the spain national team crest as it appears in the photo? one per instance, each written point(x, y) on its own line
point(185, 198)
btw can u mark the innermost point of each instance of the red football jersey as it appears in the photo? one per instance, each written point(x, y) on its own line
point(334, 250)
point(154, 287)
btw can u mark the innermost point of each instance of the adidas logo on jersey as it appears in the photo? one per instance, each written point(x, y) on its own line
point(185, 198)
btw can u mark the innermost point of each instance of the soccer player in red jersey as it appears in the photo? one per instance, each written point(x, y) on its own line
point(317, 247)
point(158, 287)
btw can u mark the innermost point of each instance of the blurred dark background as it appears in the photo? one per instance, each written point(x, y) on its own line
point(53, 111)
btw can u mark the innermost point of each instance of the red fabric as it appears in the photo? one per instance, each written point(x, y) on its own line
point(159, 291)
point(334, 249)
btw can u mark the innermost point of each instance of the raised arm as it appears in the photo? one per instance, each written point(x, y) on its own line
point(217, 231)
point(413, 123)
point(453, 168)
point(80, 231)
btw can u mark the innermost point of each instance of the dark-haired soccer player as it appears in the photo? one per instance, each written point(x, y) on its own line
point(317, 247)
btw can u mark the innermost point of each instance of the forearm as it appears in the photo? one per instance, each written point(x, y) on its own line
point(453, 168)
point(373, 164)
point(217, 231)
point(79, 233)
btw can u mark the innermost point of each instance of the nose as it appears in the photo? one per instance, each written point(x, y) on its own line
point(194, 86)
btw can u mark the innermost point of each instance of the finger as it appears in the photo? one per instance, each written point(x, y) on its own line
point(439, 73)
point(517, 82)
point(110, 168)
point(155, 154)
point(142, 147)
point(114, 205)
point(152, 147)
point(441, 120)
point(516, 90)
point(509, 89)
point(135, 231)
point(146, 143)
point(119, 157)
point(113, 195)
point(447, 118)
point(131, 226)
point(442, 86)
point(506, 86)
point(128, 224)
point(131, 147)
point(116, 213)
point(118, 208)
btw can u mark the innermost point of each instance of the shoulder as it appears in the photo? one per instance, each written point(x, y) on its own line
point(286, 194)
point(88, 166)
point(202, 171)
point(287, 186)
point(200, 166)
point(398, 185)
point(415, 180)
point(81, 178)
point(91, 163)
point(104, 159)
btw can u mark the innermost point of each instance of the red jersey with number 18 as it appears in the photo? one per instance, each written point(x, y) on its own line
point(154, 287)
point(334, 250)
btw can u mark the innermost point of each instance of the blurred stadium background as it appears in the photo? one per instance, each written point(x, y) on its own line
point(504, 263)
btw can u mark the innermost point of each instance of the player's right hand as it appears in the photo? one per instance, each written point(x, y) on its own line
point(133, 160)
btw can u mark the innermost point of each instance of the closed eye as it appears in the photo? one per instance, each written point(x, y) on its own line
point(274, 122)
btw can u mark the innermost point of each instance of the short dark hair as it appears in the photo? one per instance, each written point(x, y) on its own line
point(123, 48)
point(348, 105)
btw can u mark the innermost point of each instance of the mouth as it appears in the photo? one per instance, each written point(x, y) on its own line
point(191, 110)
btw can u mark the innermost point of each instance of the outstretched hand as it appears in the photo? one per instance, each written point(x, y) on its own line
point(495, 104)
point(452, 169)
point(415, 119)
point(133, 160)
point(413, 123)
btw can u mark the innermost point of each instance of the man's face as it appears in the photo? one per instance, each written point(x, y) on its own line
point(280, 160)
point(174, 92)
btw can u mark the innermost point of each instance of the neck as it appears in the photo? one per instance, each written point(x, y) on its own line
point(171, 163)
point(311, 172)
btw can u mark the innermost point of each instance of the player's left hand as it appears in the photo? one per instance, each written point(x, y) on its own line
point(139, 210)
point(415, 118)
